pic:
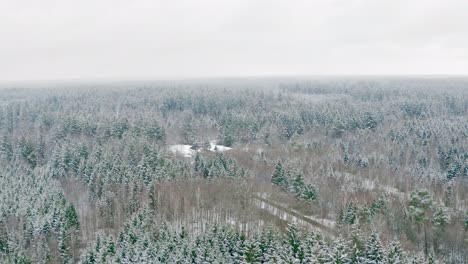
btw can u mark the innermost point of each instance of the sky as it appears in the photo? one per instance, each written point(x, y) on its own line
point(161, 39)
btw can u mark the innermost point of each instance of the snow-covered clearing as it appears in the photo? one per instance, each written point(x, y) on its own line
point(215, 147)
point(182, 150)
point(188, 152)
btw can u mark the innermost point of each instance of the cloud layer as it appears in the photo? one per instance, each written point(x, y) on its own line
point(61, 39)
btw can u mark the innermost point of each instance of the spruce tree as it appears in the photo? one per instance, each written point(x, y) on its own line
point(63, 245)
point(152, 199)
point(252, 253)
point(395, 254)
point(279, 176)
point(71, 217)
point(440, 219)
point(293, 239)
point(374, 251)
point(298, 184)
point(198, 163)
point(340, 251)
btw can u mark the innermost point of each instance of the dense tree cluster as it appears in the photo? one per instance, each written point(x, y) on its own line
point(218, 166)
point(386, 158)
point(292, 181)
point(34, 216)
point(138, 243)
point(354, 213)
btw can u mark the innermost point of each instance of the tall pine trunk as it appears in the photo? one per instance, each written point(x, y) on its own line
point(426, 245)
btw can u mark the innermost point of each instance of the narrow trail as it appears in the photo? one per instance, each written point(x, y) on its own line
point(284, 210)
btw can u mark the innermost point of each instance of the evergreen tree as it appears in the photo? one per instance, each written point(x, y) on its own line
point(188, 130)
point(357, 256)
point(395, 253)
point(28, 152)
point(198, 163)
point(152, 199)
point(6, 149)
point(465, 222)
point(350, 214)
point(252, 253)
point(419, 205)
point(309, 193)
point(294, 240)
point(71, 217)
point(339, 253)
point(3, 237)
point(279, 176)
point(63, 245)
point(440, 219)
point(298, 184)
point(228, 138)
point(374, 251)
point(431, 259)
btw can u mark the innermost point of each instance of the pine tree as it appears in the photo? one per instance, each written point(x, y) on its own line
point(6, 148)
point(322, 253)
point(3, 237)
point(279, 176)
point(309, 193)
point(374, 250)
point(357, 256)
point(340, 216)
point(71, 217)
point(293, 240)
point(419, 205)
point(198, 163)
point(440, 219)
point(395, 254)
point(266, 244)
point(252, 253)
point(89, 256)
point(188, 130)
point(465, 222)
point(350, 215)
point(431, 259)
point(63, 247)
point(238, 248)
point(339, 251)
point(228, 138)
point(297, 184)
point(365, 214)
point(28, 152)
point(152, 198)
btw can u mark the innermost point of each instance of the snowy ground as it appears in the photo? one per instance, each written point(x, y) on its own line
point(187, 151)
point(215, 147)
point(182, 150)
point(290, 215)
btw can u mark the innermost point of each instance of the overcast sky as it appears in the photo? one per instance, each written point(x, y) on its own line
point(131, 39)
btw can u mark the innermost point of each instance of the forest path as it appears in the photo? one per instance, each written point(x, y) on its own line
point(278, 210)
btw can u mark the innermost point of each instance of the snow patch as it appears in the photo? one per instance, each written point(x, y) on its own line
point(219, 148)
point(187, 151)
point(183, 150)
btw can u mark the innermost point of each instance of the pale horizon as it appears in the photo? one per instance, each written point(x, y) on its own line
point(154, 40)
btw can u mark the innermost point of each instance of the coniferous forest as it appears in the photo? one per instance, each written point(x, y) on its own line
point(259, 170)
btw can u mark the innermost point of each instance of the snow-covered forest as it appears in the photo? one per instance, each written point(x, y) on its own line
point(325, 170)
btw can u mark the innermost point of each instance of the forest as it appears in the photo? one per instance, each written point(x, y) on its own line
point(235, 170)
